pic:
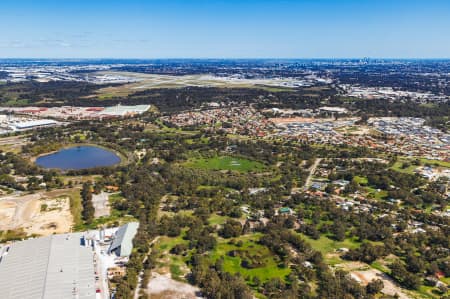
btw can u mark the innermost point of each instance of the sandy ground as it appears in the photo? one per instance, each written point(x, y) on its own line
point(390, 288)
point(164, 287)
point(363, 274)
point(101, 204)
point(24, 212)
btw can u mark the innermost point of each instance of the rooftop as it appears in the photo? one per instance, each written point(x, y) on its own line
point(123, 241)
point(53, 267)
point(121, 110)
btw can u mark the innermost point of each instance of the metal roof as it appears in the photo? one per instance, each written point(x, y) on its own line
point(35, 123)
point(121, 110)
point(53, 267)
point(123, 241)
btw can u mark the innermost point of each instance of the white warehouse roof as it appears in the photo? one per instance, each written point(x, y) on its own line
point(121, 110)
point(122, 244)
point(52, 267)
point(35, 123)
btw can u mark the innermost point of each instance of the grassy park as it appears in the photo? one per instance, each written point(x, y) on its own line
point(225, 163)
point(245, 256)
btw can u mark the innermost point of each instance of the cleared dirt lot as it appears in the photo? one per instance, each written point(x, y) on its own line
point(364, 274)
point(164, 287)
point(101, 204)
point(390, 288)
point(36, 213)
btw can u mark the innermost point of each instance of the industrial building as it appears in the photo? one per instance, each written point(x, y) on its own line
point(12, 123)
point(332, 110)
point(52, 267)
point(39, 123)
point(121, 110)
point(122, 244)
point(70, 113)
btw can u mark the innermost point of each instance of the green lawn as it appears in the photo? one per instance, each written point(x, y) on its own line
point(217, 219)
point(382, 194)
point(435, 162)
point(249, 248)
point(398, 167)
point(167, 243)
point(75, 206)
point(225, 163)
point(426, 292)
point(377, 265)
point(326, 245)
point(360, 180)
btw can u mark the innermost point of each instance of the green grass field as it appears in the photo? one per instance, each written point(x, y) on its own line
point(225, 163)
point(75, 206)
point(398, 167)
point(217, 219)
point(372, 192)
point(167, 243)
point(435, 162)
point(377, 265)
point(410, 169)
point(250, 248)
point(326, 245)
point(361, 180)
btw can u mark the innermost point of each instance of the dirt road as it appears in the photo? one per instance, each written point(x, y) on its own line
point(312, 170)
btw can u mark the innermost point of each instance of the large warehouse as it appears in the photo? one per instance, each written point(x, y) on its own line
point(32, 124)
point(53, 267)
point(121, 110)
point(122, 244)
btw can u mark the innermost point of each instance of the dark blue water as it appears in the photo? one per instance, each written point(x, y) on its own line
point(78, 157)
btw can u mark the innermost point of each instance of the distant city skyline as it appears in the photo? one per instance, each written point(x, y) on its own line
point(225, 29)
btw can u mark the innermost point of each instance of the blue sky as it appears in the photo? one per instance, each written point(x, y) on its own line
point(224, 29)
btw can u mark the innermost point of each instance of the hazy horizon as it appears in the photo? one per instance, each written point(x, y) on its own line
point(216, 29)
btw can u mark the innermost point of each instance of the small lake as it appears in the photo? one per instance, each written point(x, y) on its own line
point(78, 157)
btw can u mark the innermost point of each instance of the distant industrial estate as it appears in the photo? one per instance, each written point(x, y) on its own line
point(25, 118)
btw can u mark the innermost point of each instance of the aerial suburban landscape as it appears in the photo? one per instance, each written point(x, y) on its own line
point(221, 178)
